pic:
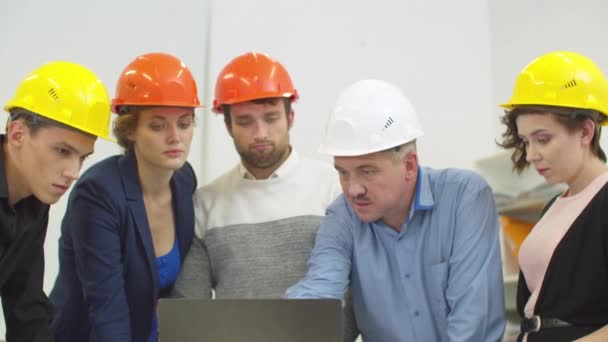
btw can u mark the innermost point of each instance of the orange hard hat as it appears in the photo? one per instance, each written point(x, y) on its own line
point(155, 79)
point(252, 76)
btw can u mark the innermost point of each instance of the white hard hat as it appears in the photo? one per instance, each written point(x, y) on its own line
point(370, 116)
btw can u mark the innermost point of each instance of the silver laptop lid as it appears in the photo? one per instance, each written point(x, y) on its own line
point(250, 320)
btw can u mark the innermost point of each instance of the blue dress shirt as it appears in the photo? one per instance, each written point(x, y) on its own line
point(438, 279)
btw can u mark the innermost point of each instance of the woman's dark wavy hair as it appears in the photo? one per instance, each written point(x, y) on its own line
point(571, 118)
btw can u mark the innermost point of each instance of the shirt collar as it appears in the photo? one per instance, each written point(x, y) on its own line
point(285, 168)
point(423, 198)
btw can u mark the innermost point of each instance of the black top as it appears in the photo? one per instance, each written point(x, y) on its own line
point(575, 285)
point(27, 310)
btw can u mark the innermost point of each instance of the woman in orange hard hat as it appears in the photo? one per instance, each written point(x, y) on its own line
point(55, 117)
point(553, 121)
point(130, 218)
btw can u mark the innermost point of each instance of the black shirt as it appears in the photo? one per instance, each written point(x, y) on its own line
point(27, 310)
point(575, 283)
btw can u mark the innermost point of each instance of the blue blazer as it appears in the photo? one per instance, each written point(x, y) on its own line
point(107, 286)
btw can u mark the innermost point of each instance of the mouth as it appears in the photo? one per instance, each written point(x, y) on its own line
point(542, 171)
point(61, 188)
point(261, 147)
point(362, 204)
point(174, 153)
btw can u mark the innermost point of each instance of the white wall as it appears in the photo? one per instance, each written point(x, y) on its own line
point(437, 51)
point(523, 30)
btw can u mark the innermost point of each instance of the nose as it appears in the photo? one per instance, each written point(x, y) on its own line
point(532, 154)
point(261, 131)
point(72, 170)
point(355, 189)
point(173, 133)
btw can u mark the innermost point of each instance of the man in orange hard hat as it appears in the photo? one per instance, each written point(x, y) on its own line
point(256, 223)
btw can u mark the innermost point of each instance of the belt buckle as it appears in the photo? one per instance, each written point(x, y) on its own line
point(532, 324)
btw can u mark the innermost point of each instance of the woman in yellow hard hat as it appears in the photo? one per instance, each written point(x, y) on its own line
point(553, 123)
point(130, 218)
point(55, 116)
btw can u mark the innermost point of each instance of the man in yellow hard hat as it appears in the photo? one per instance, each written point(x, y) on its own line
point(55, 117)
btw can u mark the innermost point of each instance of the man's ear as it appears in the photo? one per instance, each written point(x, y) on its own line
point(16, 131)
point(411, 166)
point(290, 118)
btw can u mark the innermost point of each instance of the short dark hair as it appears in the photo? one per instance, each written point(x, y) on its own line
point(267, 100)
point(35, 122)
point(570, 118)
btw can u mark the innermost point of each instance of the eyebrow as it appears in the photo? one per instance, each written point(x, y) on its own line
point(75, 150)
point(249, 115)
point(535, 132)
point(164, 117)
point(360, 167)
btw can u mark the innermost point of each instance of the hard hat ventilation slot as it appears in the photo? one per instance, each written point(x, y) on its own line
point(570, 84)
point(53, 94)
point(131, 84)
point(389, 122)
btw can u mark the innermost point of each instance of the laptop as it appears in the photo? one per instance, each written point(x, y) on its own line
point(250, 320)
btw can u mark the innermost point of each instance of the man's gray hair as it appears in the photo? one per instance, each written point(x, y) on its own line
point(399, 152)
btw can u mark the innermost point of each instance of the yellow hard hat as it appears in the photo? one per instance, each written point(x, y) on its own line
point(68, 93)
point(563, 79)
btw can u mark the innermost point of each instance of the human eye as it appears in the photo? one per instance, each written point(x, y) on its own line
point(62, 151)
point(156, 126)
point(184, 124)
point(243, 122)
point(543, 140)
point(271, 119)
point(367, 173)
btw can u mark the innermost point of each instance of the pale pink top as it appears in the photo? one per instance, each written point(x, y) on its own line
point(537, 249)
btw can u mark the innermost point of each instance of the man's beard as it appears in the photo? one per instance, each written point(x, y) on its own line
point(264, 160)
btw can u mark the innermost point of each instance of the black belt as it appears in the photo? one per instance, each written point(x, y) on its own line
point(535, 323)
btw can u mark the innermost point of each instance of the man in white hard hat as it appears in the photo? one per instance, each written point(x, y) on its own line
point(418, 246)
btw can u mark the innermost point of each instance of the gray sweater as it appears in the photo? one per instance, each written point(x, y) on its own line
point(254, 237)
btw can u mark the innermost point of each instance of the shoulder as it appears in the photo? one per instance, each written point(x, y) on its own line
point(453, 179)
point(316, 166)
point(222, 185)
point(318, 172)
point(102, 170)
point(103, 176)
point(341, 209)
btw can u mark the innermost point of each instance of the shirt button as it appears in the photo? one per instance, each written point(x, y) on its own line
point(407, 276)
point(416, 313)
